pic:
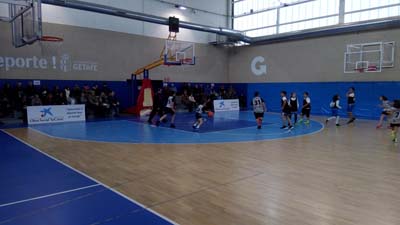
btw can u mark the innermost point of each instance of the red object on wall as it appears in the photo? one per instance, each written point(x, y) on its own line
point(146, 84)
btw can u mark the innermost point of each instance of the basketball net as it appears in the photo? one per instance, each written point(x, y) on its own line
point(50, 46)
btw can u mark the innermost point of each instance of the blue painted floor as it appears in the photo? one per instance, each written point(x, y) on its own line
point(38, 190)
point(222, 128)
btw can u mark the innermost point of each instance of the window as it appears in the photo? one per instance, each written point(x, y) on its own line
point(362, 10)
point(269, 17)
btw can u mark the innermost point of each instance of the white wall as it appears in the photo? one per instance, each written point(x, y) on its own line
point(216, 16)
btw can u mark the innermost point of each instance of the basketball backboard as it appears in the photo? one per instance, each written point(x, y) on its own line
point(25, 17)
point(179, 53)
point(369, 57)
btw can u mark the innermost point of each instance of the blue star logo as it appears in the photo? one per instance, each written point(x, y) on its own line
point(46, 112)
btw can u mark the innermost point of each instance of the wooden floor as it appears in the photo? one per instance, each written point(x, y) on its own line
point(340, 176)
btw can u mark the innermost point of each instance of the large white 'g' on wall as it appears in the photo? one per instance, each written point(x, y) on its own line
point(257, 68)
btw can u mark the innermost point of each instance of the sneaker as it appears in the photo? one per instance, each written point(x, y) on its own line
point(395, 140)
point(194, 126)
point(351, 120)
point(307, 122)
point(283, 127)
point(258, 127)
point(198, 127)
point(172, 125)
point(378, 126)
point(290, 127)
point(300, 120)
point(158, 123)
point(338, 125)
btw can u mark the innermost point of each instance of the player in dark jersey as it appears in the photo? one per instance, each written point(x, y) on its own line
point(395, 119)
point(169, 108)
point(294, 106)
point(258, 108)
point(285, 111)
point(306, 108)
point(335, 106)
point(157, 106)
point(351, 101)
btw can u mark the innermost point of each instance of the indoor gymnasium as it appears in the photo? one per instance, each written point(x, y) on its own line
point(199, 112)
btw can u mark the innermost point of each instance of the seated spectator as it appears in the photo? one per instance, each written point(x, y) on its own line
point(36, 100)
point(49, 99)
point(61, 99)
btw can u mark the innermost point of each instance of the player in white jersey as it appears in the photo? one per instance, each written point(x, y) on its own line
point(386, 106)
point(170, 108)
point(258, 109)
point(199, 117)
point(395, 120)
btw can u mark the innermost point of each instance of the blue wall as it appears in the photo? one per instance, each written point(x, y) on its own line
point(122, 89)
point(367, 95)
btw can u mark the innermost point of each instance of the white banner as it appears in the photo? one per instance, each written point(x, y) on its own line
point(55, 114)
point(226, 105)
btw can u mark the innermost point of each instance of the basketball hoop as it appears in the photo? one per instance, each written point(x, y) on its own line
point(50, 45)
point(51, 39)
point(360, 70)
point(187, 61)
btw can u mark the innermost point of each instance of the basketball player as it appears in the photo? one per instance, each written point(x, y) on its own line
point(285, 111)
point(306, 108)
point(395, 120)
point(385, 110)
point(335, 106)
point(294, 106)
point(351, 101)
point(170, 108)
point(258, 109)
point(199, 117)
point(157, 106)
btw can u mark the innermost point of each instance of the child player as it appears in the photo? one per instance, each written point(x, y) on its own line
point(395, 120)
point(285, 111)
point(351, 101)
point(294, 106)
point(199, 117)
point(306, 108)
point(385, 110)
point(335, 106)
point(258, 109)
point(169, 109)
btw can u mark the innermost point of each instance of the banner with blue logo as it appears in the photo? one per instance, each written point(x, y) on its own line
point(226, 105)
point(55, 114)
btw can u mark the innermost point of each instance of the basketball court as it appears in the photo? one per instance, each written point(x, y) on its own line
point(91, 160)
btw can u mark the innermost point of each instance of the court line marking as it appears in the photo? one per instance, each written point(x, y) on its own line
point(185, 143)
point(91, 178)
point(49, 195)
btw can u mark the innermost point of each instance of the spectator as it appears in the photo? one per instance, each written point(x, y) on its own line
point(114, 104)
point(36, 100)
point(30, 90)
point(105, 89)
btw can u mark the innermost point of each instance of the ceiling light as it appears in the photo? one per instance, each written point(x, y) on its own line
point(181, 7)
